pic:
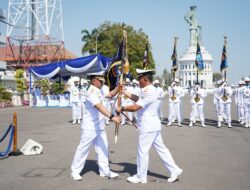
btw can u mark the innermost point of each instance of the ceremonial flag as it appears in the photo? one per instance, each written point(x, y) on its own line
point(198, 60)
point(174, 59)
point(145, 58)
point(116, 66)
point(224, 64)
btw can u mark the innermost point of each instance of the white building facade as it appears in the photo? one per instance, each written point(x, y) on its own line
point(188, 71)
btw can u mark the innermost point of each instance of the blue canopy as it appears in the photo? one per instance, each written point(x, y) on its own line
point(76, 67)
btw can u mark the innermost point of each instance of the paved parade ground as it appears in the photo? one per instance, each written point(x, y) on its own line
point(212, 158)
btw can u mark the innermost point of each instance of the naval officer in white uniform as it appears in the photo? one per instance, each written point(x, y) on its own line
point(149, 129)
point(93, 130)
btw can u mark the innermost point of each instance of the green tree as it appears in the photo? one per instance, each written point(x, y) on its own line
point(57, 87)
point(217, 76)
point(166, 76)
point(108, 37)
point(44, 84)
point(4, 94)
point(21, 82)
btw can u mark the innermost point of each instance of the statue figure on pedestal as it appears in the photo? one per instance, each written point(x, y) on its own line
point(195, 29)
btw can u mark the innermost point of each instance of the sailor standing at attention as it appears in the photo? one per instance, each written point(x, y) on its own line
point(149, 129)
point(217, 102)
point(246, 92)
point(239, 101)
point(198, 95)
point(175, 94)
point(160, 94)
point(225, 94)
point(93, 130)
point(75, 101)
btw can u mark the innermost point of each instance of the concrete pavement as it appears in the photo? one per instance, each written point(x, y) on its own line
point(212, 158)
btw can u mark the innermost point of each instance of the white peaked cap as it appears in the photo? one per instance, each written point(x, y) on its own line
point(247, 79)
point(157, 81)
point(75, 79)
point(134, 81)
point(177, 80)
point(127, 80)
point(85, 82)
point(242, 82)
point(141, 72)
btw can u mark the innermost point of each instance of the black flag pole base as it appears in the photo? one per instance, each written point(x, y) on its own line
point(17, 153)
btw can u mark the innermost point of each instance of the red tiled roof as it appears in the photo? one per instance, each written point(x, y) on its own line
point(33, 54)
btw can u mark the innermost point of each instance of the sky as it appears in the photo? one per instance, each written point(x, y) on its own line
point(161, 20)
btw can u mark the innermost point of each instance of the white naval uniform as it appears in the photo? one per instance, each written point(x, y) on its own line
point(136, 91)
point(149, 128)
point(174, 105)
point(107, 104)
point(246, 92)
point(226, 105)
point(197, 107)
point(75, 102)
point(128, 102)
point(93, 134)
point(239, 101)
point(83, 94)
point(160, 95)
point(218, 105)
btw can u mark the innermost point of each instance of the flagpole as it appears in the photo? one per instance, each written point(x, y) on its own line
point(197, 69)
point(197, 75)
point(124, 57)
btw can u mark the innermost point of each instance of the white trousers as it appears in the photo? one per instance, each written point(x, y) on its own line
point(83, 108)
point(160, 109)
point(107, 104)
point(226, 111)
point(98, 139)
point(146, 140)
point(197, 108)
point(76, 110)
point(219, 111)
point(174, 111)
point(240, 111)
point(247, 113)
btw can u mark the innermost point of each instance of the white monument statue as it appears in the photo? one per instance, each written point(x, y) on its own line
point(187, 67)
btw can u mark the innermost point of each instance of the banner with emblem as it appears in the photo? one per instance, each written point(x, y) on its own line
point(224, 63)
point(115, 68)
point(199, 60)
point(174, 57)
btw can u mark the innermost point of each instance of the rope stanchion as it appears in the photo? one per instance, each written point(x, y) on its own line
point(6, 133)
point(15, 151)
point(5, 153)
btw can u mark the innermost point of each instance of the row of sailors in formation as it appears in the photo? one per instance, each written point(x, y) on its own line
point(222, 101)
